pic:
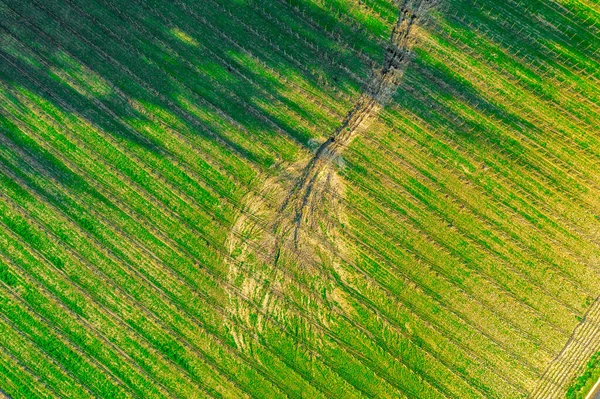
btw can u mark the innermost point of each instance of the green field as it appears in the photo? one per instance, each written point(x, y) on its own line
point(150, 160)
point(585, 382)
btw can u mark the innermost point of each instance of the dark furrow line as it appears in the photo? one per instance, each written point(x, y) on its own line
point(568, 361)
point(17, 362)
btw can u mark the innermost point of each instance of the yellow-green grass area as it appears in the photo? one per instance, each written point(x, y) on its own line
point(131, 131)
point(582, 386)
point(475, 196)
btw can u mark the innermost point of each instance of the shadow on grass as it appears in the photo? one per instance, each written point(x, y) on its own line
point(132, 47)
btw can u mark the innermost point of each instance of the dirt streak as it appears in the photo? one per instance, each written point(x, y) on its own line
point(382, 86)
point(302, 235)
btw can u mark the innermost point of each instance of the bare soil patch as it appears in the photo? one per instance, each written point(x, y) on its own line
point(287, 239)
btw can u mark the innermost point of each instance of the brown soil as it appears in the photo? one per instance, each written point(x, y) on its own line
point(295, 245)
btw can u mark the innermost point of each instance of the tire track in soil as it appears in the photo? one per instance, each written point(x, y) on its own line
point(301, 233)
point(571, 360)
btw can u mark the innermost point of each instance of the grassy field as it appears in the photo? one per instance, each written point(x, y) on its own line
point(586, 381)
point(462, 253)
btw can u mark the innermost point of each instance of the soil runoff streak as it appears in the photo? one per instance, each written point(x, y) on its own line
point(285, 247)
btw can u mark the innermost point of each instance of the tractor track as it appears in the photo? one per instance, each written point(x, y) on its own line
point(571, 360)
point(300, 235)
point(383, 84)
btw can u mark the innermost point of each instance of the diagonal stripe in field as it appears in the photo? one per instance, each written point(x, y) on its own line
point(582, 344)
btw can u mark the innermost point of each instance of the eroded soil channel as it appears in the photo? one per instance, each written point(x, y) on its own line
point(286, 256)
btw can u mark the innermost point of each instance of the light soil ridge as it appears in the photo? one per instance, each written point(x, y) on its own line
point(583, 343)
point(286, 240)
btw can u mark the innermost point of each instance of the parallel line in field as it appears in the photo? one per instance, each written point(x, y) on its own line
point(564, 13)
point(65, 372)
point(17, 365)
point(399, 187)
point(500, 343)
point(96, 272)
point(116, 260)
point(213, 275)
point(458, 148)
point(523, 64)
point(535, 114)
point(253, 110)
point(524, 193)
point(152, 91)
point(180, 57)
point(83, 291)
point(310, 96)
point(383, 259)
point(510, 181)
point(125, 263)
point(500, 287)
point(48, 293)
point(338, 95)
point(539, 40)
point(536, 111)
point(193, 68)
point(196, 151)
point(135, 159)
point(67, 341)
point(455, 198)
point(452, 253)
point(308, 20)
point(320, 54)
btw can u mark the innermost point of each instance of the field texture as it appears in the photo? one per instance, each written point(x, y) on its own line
point(585, 383)
point(298, 198)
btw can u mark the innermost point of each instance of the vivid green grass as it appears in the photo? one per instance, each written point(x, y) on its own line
point(462, 141)
point(130, 134)
point(584, 383)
